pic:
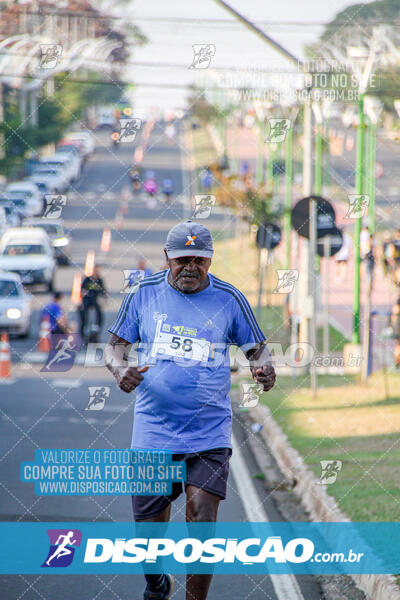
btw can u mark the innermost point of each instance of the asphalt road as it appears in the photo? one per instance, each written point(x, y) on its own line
point(43, 411)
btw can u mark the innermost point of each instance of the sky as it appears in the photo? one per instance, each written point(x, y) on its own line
point(173, 26)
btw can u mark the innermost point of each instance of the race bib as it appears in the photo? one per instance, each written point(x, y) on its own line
point(177, 342)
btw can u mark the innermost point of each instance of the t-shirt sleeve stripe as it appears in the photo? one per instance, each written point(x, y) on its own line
point(116, 326)
point(246, 306)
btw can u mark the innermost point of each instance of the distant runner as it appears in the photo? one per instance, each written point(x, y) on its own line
point(185, 319)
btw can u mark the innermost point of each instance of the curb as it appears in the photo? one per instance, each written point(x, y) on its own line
point(315, 499)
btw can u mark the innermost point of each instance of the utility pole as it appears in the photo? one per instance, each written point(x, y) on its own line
point(288, 186)
point(363, 84)
point(357, 224)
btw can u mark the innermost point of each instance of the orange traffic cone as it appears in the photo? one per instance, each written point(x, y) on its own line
point(89, 263)
point(44, 335)
point(118, 220)
point(5, 357)
point(105, 243)
point(76, 295)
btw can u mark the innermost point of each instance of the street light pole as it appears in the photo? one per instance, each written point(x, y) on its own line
point(287, 219)
point(357, 224)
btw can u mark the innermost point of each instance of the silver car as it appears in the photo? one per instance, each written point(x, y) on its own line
point(15, 305)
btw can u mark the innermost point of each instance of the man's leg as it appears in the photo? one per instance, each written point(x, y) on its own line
point(82, 315)
point(155, 580)
point(201, 506)
point(99, 315)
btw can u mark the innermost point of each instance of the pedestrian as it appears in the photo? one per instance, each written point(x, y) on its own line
point(206, 179)
point(54, 312)
point(395, 324)
point(342, 258)
point(92, 289)
point(142, 266)
point(182, 404)
point(364, 241)
point(385, 253)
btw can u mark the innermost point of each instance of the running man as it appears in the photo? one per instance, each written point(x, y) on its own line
point(182, 405)
point(62, 549)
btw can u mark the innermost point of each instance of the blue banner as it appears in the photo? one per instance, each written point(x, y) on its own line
point(248, 548)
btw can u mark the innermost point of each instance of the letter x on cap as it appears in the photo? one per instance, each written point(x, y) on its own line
point(189, 239)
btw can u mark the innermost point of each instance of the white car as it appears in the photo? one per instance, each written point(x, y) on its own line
point(29, 191)
point(15, 305)
point(42, 185)
point(60, 241)
point(85, 137)
point(69, 164)
point(54, 177)
point(28, 252)
point(14, 215)
point(3, 221)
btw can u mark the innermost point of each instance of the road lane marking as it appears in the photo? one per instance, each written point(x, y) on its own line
point(285, 586)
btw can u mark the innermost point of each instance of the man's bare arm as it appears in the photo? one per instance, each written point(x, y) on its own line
point(261, 366)
point(128, 378)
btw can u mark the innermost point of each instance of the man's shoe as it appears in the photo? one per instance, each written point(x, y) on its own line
point(164, 593)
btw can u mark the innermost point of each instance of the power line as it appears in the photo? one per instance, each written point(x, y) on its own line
point(198, 20)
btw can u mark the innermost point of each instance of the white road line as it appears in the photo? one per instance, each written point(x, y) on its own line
point(285, 586)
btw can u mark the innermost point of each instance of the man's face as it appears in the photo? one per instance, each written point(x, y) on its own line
point(188, 273)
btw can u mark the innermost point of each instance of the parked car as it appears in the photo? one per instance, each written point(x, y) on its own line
point(28, 252)
point(55, 178)
point(15, 305)
point(3, 221)
point(14, 214)
point(70, 164)
point(60, 241)
point(86, 139)
point(29, 191)
point(76, 146)
point(42, 186)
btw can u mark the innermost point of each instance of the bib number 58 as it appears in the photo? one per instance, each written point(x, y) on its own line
point(185, 344)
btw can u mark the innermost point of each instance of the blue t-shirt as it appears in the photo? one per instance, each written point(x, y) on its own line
point(54, 312)
point(183, 403)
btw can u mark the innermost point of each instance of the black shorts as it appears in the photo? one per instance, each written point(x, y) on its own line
point(207, 470)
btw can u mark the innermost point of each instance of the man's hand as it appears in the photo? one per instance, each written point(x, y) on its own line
point(129, 378)
point(264, 375)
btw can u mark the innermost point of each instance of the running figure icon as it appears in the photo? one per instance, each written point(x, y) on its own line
point(62, 549)
point(66, 348)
